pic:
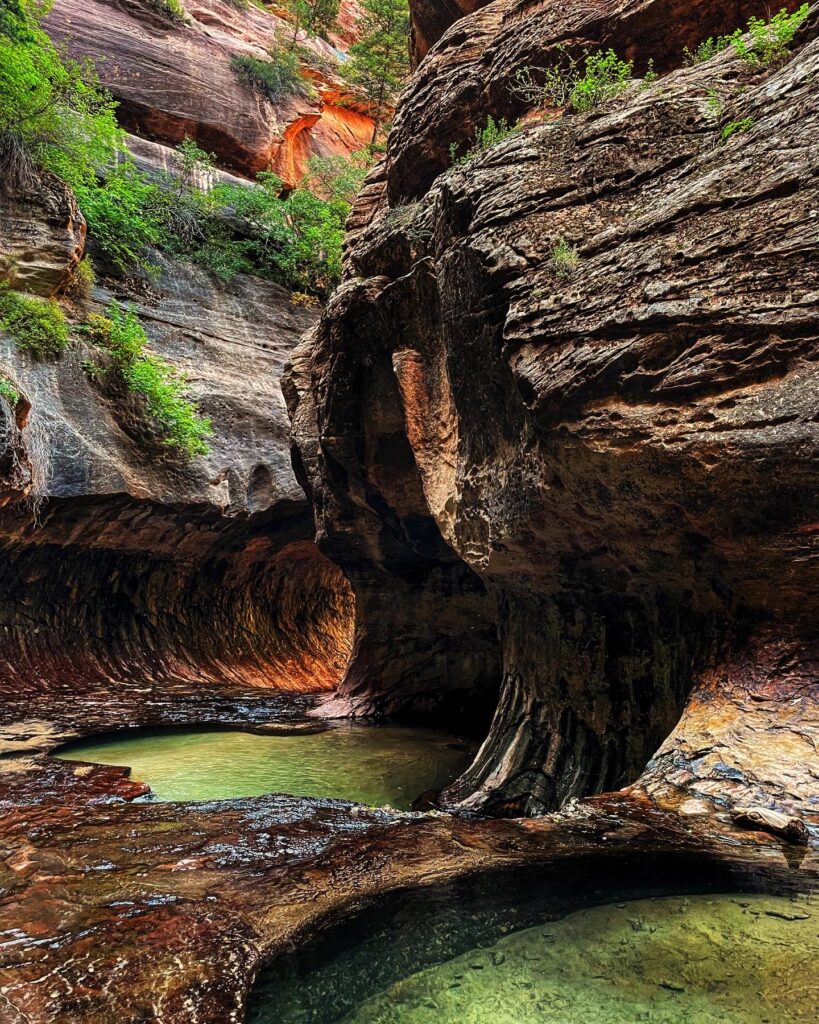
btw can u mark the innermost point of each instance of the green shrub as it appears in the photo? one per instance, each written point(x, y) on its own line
point(9, 392)
point(736, 127)
point(338, 177)
point(274, 78)
point(604, 77)
point(36, 325)
point(172, 9)
point(713, 105)
point(82, 283)
point(123, 216)
point(164, 388)
point(564, 258)
point(53, 112)
point(295, 240)
point(769, 42)
point(576, 84)
point(490, 135)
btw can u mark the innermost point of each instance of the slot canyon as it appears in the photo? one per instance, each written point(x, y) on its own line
point(532, 481)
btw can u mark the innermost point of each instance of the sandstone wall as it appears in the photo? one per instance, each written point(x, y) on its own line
point(174, 80)
point(614, 467)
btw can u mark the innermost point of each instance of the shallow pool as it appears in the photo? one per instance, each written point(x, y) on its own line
point(374, 765)
point(704, 959)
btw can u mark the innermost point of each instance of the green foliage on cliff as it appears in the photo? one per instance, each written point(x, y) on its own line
point(274, 78)
point(53, 113)
point(163, 387)
point(576, 84)
point(603, 76)
point(316, 17)
point(490, 135)
point(295, 240)
point(36, 325)
point(337, 177)
point(762, 43)
point(172, 9)
point(564, 258)
point(379, 61)
point(736, 128)
point(9, 392)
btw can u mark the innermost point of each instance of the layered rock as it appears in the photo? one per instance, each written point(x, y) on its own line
point(610, 458)
point(42, 234)
point(174, 79)
point(431, 18)
point(128, 567)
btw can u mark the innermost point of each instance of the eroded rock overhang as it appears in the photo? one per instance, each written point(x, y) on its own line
point(613, 472)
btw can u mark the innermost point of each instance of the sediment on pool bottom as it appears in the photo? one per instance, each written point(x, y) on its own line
point(595, 942)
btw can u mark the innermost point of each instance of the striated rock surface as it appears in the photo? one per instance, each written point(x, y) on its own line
point(468, 76)
point(174, 79)
point(42, 235)
point(129, 569)
point(431, 18)
point(611, 467)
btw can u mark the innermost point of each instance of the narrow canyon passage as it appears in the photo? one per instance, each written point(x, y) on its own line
point(409, 506)
point(120, 602)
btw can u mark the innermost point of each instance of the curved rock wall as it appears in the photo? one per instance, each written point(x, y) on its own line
point(174, 80)
point(127, 565)
point(613, 463)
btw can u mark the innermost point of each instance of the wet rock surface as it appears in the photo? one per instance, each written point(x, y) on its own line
point(165, 911)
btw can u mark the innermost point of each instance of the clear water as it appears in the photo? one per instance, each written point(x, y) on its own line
point(704, 959)
point(696, 960)
point(375, 765)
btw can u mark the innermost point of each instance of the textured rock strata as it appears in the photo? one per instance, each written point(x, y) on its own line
point(174, 80)
point(128, 565)
point(617, 466)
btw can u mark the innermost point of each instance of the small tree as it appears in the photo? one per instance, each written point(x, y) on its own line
point(316, 17)
point(379, 61)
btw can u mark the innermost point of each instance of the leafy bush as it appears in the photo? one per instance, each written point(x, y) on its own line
point(736, 127)
point(769, 42)
point(338, 178)
point(576, 84)
point(53, 112)
point(9, 392)
point(564, 258)
point(604, 77)
point(172, 9)
point(163, 387)
point(123, 216)
point(294, 240)
point(37, 326)
point(82, 283)
point(274, 78)
point(490, 135)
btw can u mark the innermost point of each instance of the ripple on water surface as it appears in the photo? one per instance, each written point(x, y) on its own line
point(374, 765)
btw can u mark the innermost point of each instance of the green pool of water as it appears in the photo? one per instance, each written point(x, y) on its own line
point(374, 765)
point(731, 959)
point(705, 959)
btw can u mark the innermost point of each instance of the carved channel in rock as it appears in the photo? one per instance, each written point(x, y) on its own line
point(121, 591)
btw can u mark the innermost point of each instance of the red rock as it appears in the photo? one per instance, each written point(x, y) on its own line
point(174, 80)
